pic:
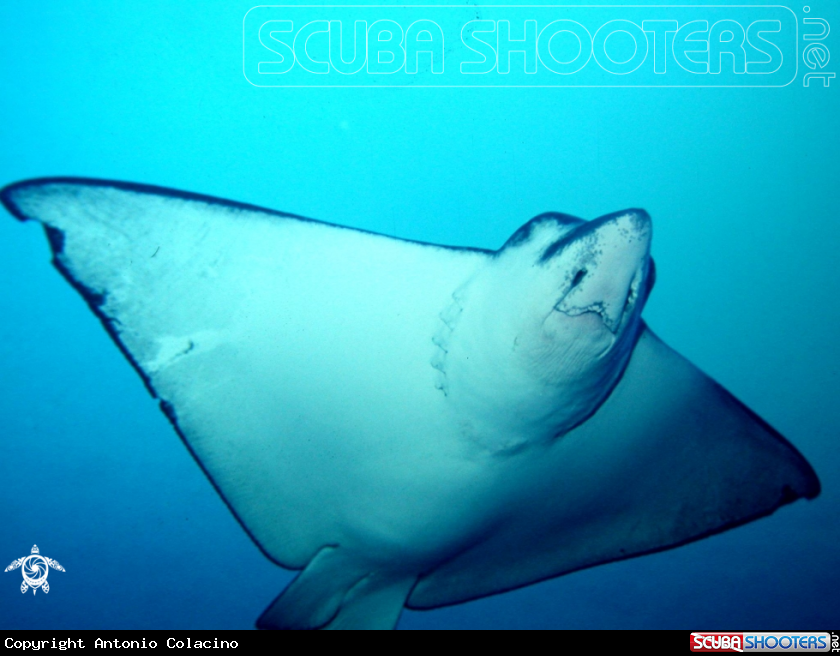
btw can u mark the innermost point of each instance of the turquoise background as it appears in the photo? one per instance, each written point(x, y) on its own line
point(742, 185)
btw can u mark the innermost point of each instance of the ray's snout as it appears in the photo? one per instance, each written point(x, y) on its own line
point(628, 231)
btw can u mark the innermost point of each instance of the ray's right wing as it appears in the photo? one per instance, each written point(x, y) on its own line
point(669, 458)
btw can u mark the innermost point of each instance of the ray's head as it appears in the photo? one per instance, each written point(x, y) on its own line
point(583, 295)
point(554, 317)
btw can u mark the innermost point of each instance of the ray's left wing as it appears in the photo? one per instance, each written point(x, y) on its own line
point(241, 320)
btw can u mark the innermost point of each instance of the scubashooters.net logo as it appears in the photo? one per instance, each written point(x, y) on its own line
point(797, 642)
point(544, 46)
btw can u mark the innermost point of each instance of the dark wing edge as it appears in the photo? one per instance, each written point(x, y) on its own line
point(7, 198)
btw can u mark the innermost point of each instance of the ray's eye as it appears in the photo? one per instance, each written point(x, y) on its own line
point(580, 275)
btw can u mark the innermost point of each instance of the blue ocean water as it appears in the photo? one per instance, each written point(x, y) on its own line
point(742, 185)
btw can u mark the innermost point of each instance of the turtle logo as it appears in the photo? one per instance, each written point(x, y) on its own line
point(35, 570)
